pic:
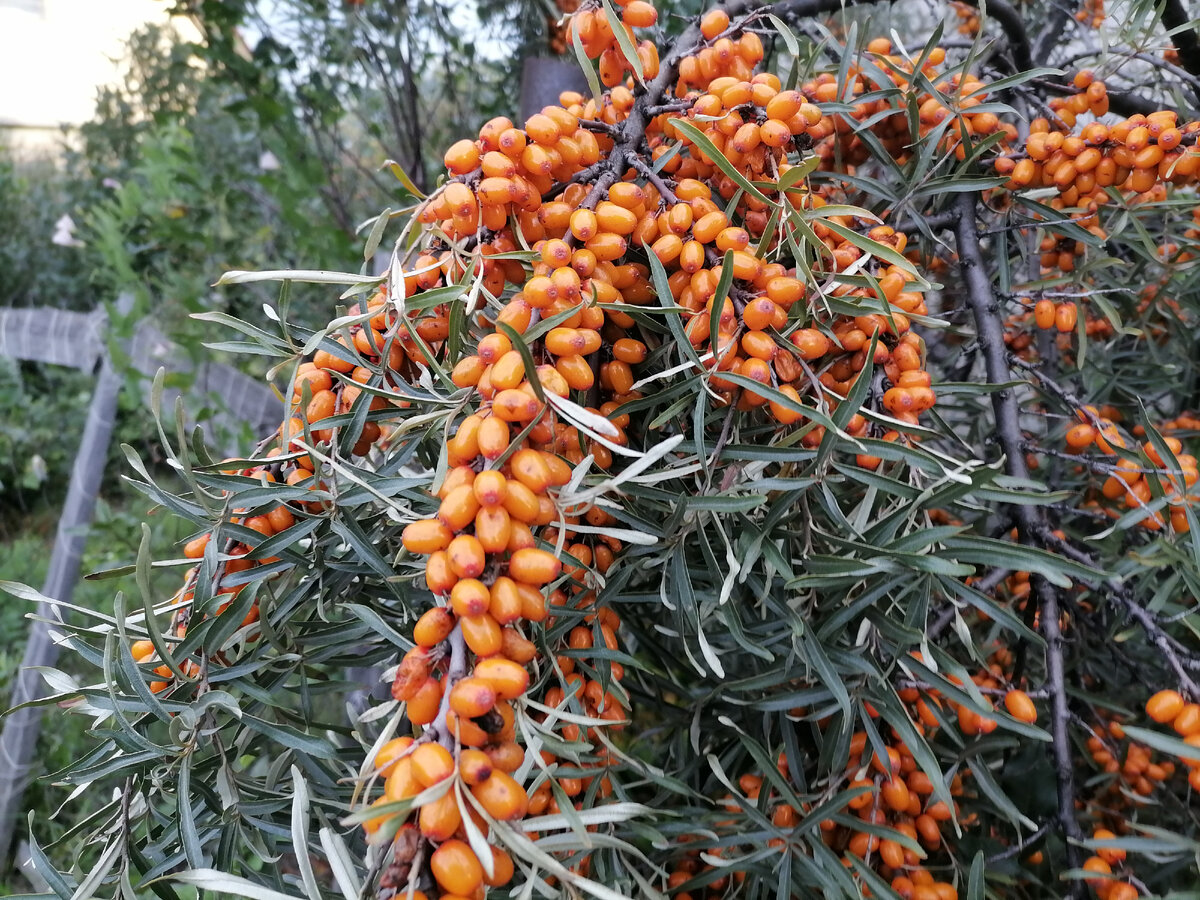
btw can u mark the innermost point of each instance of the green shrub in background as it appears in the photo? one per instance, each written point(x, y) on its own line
point(204, 158)
point(34, 194)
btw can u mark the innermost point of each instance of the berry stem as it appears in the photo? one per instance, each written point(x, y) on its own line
point(989, 328)
point(455, 673)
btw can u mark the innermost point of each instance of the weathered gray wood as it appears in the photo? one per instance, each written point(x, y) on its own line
point(64, 338)
point(18, 740)
point(56, 336)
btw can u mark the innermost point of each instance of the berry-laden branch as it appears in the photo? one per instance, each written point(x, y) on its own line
point(989, 329)
point(1177, 656)
point(676, 193)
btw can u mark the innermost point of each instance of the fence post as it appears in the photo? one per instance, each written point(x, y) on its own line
point(18, 740)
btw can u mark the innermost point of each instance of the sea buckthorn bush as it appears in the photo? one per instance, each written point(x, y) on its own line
point(770, 473)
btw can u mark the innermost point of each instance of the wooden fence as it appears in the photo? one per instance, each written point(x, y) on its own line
point(80, 341)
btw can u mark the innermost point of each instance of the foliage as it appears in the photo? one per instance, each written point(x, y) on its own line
point(849, 516)
point(338, 90)
point(23, 559)
point(34, 194)
point(182, 186)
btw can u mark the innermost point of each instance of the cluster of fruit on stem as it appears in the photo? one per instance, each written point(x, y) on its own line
point(1134, 475)
point(671, 189)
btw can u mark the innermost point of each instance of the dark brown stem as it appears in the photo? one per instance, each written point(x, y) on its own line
point(1185, 38)
point(1014, 29)
point(455, 673)
point(665, 191)
point(989, 326)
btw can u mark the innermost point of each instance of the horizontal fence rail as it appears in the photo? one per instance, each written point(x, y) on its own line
point(79, 341)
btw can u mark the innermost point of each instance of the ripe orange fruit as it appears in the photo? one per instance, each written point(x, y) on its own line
point(1020, 706)
point(1080, 437)
point(467, 556)
point(422, 708)
point(507, 678)
point(534, 566)
point(474, 765)
point(515, 647)
point(472, 697)
point(493, 528)
point(490, 488)
point(482, 634)
point(713, 23)
point(389, 753)
point(401, 783)
point(431, 763)
point(469, 597)
point(433, 627)
point(426, 536)
point(440, 818)
point(456, 868)
point(459, 507)
point(194, 549)
point(1187, 722)
point(1164, 706)
point(502, 797)
point(502, 868)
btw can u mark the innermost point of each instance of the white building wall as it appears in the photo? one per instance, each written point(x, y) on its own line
point(53, 56)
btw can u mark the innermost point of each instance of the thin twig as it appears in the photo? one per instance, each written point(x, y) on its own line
point(1020, 847)
point(1014, 29)
point(665, 191)
point(1120, 592)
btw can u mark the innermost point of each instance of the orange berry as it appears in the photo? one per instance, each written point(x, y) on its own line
point(423, 707)
point(474, 765)
point(456, 868)
point(1164, 706)
point(433, 627)
point(502, 797)
point(431, 763)
point(401, 783)
point(470, 597)
point(1020, 706)
point(509, 679)
point(713, 23)
point(440, 818)
point(467, 556)
point(426, 536)
point(1066, 316)
point(502, 868)
point(482, 634)
point(462, 157)
point(534, 566)
point(490, 488)
point(1187, 722)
